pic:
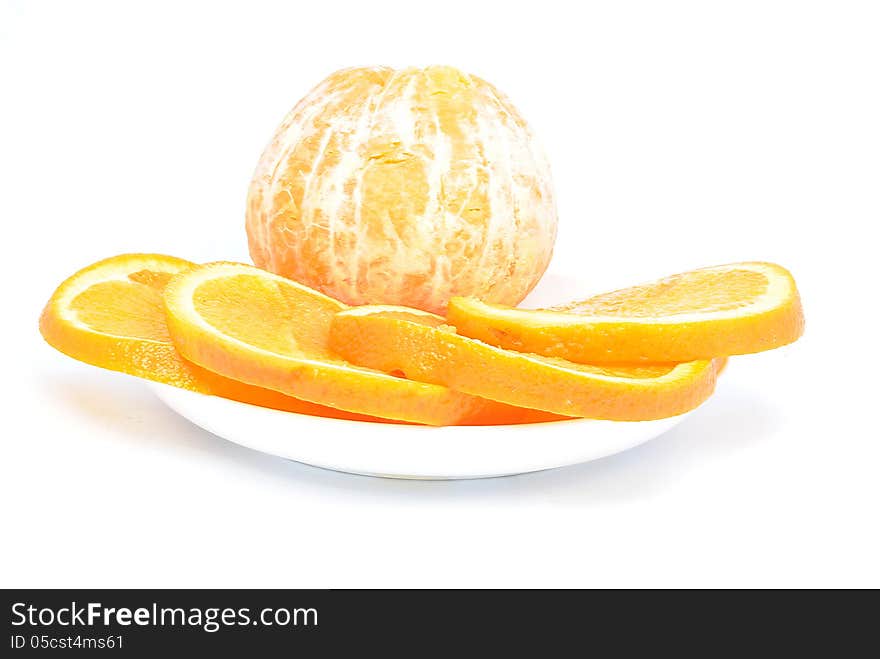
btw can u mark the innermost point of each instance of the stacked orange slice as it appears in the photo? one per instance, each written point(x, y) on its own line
point(725, 310)
point(111, 315)
point(265, 330)
point(423, 347)
point(236, 331)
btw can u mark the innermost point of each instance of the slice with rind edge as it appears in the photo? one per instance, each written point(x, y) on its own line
point(725, 310)
point(256, 327)
point(110, 314)
point(423, 347)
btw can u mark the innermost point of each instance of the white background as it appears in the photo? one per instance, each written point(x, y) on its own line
point(681, 135)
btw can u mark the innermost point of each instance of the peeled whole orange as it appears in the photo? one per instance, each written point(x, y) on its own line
point(404, 187)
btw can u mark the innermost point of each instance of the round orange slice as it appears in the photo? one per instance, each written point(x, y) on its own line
point(725, 310)
point(256, 327)
point(423, 347)
point(110, 314)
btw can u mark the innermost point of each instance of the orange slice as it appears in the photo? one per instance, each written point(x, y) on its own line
point(423, 347)
point(111, 315)
point(726, 310)
point(256, 327)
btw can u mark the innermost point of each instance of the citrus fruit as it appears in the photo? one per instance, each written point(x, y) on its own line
point(110, 314)
point(423, 347)
point(724, 310)
point(256, 327)
point(404, 187)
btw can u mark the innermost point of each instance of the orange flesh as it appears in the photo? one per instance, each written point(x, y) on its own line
point(685, 293)
point(141, 317)
point(232, 305)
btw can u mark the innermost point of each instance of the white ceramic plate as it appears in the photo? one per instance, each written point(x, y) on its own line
point(405, 451)
point(402, 451)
